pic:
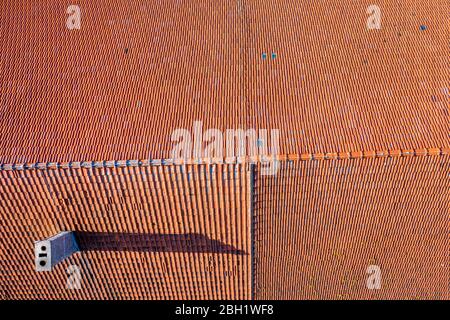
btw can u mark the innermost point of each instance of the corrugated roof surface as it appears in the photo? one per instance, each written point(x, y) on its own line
point(320, 224)
point(135, 71)
point(145, 233)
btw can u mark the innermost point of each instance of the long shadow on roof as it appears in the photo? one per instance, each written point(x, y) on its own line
point(146, 242)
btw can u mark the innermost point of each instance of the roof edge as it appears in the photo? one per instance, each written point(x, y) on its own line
point(228, 160)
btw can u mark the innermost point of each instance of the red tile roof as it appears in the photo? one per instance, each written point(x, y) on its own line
point(152, 203)
point(374, 104)
point(334, 86)
point(321, 224)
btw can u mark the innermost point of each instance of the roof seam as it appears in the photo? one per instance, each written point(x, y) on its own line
point(229, 160)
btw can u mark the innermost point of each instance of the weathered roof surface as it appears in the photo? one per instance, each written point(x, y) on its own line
point(320, 225)
point(135, 71)
point(225, 231)
point(144, 233)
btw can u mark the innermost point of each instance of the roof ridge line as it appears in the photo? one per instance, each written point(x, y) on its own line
point(395, 153)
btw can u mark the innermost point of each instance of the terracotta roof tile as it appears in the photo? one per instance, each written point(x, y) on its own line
point(145, 233)
point(320, 224)
point(333, 86)
point(364, 120)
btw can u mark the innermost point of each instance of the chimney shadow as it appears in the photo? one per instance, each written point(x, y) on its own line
point(146, 242)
